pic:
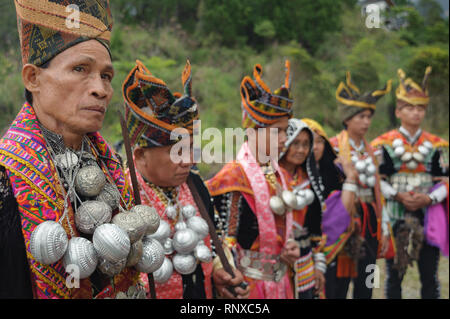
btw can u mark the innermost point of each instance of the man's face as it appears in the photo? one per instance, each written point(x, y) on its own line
point(276, 133)
point(411, 115)
point(75, 90)
point(360, 123)
point(158, 166)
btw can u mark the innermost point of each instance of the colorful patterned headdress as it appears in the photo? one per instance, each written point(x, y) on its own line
point(153, 112)
point(409, 92)
point(48, 27)
point(261, 107)
point(351, 102)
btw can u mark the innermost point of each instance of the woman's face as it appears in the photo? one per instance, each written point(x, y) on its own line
point(319, 146)
point(299, 149)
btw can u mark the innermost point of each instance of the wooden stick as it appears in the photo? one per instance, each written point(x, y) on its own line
point(134, 182)
point(212, 229)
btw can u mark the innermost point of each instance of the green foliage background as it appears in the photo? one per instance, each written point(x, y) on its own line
point(224, 39)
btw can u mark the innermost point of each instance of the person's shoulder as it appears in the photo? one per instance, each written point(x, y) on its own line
point(437, 141)
point(230, 178)
point(385, 139)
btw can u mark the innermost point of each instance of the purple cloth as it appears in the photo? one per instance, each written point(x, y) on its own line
point(335, 219)
point(436, 226)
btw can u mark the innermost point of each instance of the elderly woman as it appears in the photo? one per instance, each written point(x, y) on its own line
point(309, 162)
point(160, 125)
point(67, 74)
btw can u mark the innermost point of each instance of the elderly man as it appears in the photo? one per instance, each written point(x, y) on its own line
point(67, 73)
point(160, 125)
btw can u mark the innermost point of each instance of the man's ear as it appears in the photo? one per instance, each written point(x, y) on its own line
point(138, 153)
point(30, 77)
point(397, 112)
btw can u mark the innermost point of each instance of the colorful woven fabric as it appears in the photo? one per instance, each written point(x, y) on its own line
point(173, 289)
point(39, 196)
point(304, 273)
point(261, 107)
point(351, 102)
point(231, 178)
point(46, 27)
point(410, 93)
point(152, 112)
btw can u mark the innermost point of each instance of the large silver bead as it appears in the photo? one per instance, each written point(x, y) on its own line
point(149, 216)
point(423, 150)
point(135, 254)
point(48, 242)
point(110, 196)
point(397, 143)
point(111, 269)
point(111, 243)
point(92, 214)
point(418, 157)
point(412, 165)
point(185, 240)
point(184, 264)
point(188, 211)
point(163, 231)
point(90, 181)
point(360, 166)
point(199, 225)
point(301, 202)
point(168, 246)
point(202, 252)
point(180, 225)
point(428, 145)
point(371, 181)
point(368, 161)
point(363, 179)
point(163, 274)
point(406, 157)
point(354, 159)
point(277, 205)
point(67, 160)
point(81, 253)
point(309, 196)
point(399, 151)
point(289, 199)
point(152, 257)
point(371, 169)
point(132, 224)
point(171, 212)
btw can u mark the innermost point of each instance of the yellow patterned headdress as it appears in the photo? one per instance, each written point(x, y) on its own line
point(353, 102)
point(316, 127)
point(409, 92)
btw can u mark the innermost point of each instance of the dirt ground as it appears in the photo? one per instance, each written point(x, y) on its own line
point(411, 282)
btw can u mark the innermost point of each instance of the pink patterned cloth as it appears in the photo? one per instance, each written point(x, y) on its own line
point(266, 221)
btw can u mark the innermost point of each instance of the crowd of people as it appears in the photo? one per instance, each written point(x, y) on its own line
point(302, 225)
